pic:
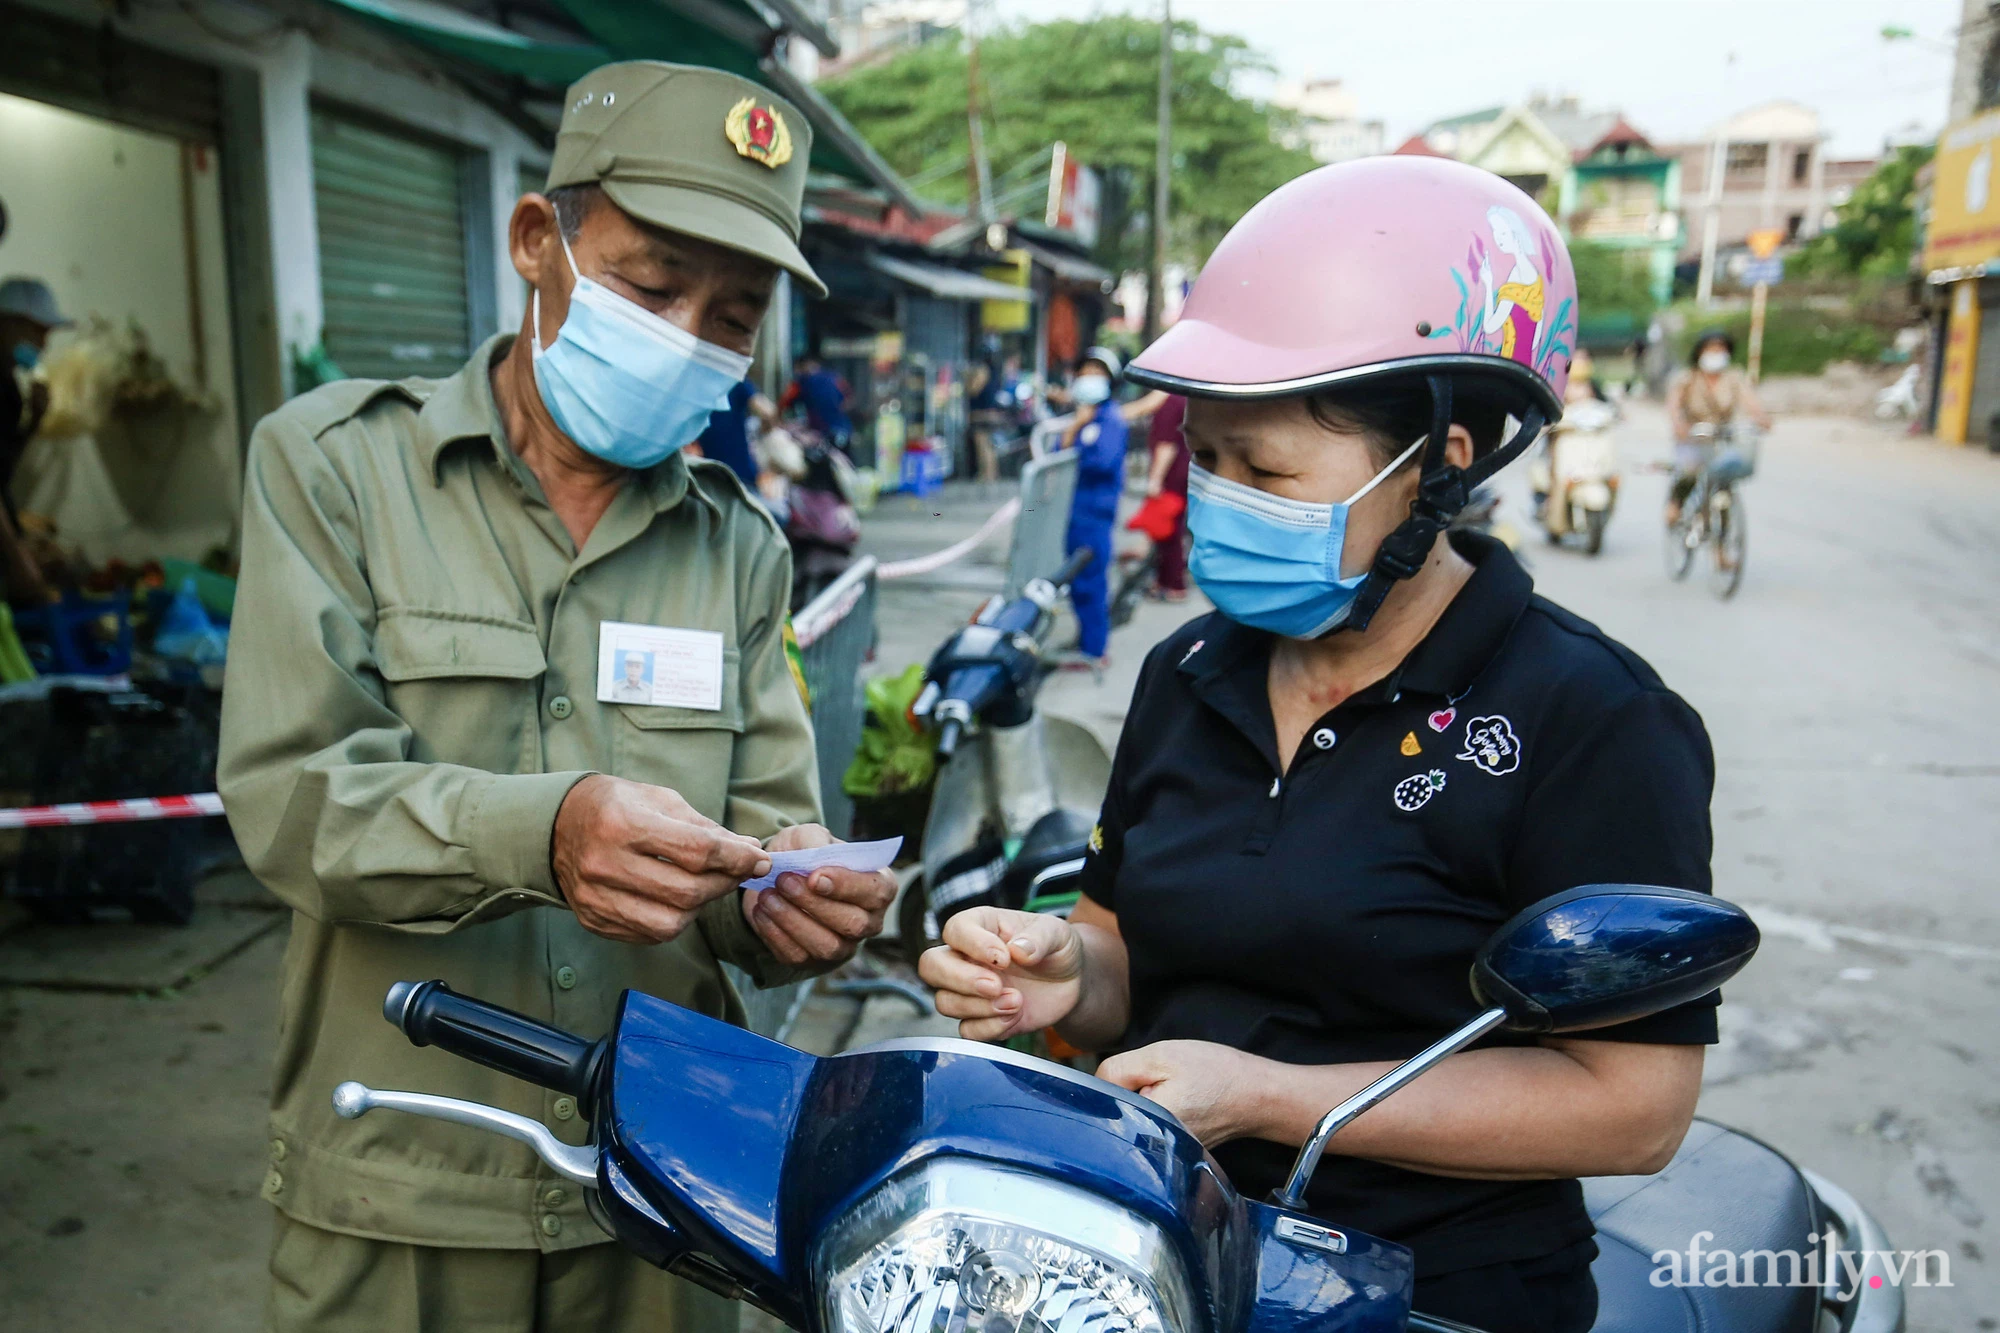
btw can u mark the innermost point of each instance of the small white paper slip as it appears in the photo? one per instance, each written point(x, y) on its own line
point(657, 666)
point(841, 856)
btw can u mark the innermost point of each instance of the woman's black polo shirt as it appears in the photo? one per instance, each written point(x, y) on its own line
point(1331, 914)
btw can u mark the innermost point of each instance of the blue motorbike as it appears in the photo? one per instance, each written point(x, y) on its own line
point(941, 1186)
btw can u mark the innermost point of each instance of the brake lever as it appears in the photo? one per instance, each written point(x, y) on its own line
point(353, 1100)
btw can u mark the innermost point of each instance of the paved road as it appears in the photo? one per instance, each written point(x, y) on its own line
point(1849, 689)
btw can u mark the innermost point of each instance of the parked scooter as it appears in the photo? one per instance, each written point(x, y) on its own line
point(931, 1184)
point(1017, 791)
point(1578, 497)
point(820, 519)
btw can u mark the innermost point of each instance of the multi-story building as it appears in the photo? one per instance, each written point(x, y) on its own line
point(1330, 126)
point(1774, 174)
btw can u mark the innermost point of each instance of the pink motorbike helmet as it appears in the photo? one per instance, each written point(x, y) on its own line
point(1381, 269)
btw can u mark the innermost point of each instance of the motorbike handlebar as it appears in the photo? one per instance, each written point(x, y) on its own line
point(1075, 565)
point(430, 1013)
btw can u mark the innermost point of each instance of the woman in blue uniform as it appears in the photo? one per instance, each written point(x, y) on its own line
point(1098, 436)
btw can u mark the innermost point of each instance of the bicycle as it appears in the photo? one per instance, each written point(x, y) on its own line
point(1713, 513)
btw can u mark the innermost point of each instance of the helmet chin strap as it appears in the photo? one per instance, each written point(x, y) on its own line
point(1442, 491)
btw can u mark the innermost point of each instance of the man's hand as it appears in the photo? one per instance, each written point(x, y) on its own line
point(1212, 1089)
point(1002, 972)
point(636, 862)
point(822, 917)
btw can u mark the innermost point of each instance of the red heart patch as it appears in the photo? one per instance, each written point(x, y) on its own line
point(1443, 718)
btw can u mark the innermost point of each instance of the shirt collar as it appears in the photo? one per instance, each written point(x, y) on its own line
point(463, 408)
point(1466, 637)
point(1473, 628)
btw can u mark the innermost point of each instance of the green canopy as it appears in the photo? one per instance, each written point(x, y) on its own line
point(732, 39)
point(454, 33)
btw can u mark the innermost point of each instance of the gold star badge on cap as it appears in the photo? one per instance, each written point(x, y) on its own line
point(758, 133)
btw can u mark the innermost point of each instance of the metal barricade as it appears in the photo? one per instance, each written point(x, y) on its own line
point(1047, 486)
point(836, 632)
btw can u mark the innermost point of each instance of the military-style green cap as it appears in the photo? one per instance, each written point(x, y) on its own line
point(692, 150)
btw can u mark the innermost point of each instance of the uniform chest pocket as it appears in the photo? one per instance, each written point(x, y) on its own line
point(691, 750)
point(465, 685)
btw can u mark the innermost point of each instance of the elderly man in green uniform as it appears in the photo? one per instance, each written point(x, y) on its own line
point(427, 751)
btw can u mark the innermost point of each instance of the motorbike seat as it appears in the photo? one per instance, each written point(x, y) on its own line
point(1721, 1181)
point(1056, 839)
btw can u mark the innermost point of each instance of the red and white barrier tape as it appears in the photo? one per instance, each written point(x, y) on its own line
point(113, 812)
point(925, 564)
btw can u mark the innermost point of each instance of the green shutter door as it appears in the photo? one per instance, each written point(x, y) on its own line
point(391, 250)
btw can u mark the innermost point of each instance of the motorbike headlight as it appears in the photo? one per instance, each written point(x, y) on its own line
point(963, 1245)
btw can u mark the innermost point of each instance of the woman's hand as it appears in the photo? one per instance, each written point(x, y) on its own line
point(1214, 1090)
point(1001, 972)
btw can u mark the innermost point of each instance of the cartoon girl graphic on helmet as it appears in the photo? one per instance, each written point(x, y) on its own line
point(1514, 311)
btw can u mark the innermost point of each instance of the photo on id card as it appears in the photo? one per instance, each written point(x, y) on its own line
point(659, 667)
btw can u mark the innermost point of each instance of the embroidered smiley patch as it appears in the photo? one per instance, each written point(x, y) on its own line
point(1491, 745)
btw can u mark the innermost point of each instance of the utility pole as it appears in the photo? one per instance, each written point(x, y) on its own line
point(979, 173)
point(1156, 290)
point(1718, 162)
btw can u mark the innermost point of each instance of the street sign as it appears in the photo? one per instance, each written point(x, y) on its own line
point(1765, 242)
point(1763, 272)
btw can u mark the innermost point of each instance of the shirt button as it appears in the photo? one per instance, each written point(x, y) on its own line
point(278, 1150)
point(560, 707)
point(566, 978)
point(274, 1182)
point(565, 1108)
point(1324, 738)
point(555, 1198)
point(551, 1225)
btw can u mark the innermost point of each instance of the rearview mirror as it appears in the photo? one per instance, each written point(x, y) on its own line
point(1609, 953)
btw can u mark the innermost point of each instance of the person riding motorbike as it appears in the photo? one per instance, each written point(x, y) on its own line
point(1380, 745)
point(1710, 392)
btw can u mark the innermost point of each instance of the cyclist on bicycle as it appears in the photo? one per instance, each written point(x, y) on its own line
point(1709, 393)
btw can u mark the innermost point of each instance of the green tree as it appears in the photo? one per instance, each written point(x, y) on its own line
point(1094, 86)
point(1614, 285)
point(1874, 232)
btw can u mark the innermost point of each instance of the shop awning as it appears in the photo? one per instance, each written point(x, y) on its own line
point(729, 35)
point(954, 284)
point(1065, 266)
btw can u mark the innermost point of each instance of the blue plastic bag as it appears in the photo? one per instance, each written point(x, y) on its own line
point(186, 633)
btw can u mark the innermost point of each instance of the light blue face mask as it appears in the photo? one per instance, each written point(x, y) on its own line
point(625, 384)
point(1090, 389)
point(1271, 563)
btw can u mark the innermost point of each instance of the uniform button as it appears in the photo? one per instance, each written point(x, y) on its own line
point(560, 707)
point(1324, 738)
point(278, 1150)
point(555, 1198)
point(551, 1225)
point(566, 978)
point(565, 1108)
point(274, 1182)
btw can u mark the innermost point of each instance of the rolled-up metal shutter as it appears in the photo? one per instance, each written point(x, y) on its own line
point(392, 256)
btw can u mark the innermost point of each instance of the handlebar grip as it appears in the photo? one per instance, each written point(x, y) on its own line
point(430, 1013)
point(1075, 565)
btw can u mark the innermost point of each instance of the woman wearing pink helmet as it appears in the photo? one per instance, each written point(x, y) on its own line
point(1379, 747)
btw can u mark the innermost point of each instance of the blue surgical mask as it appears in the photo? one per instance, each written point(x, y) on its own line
point(625, 384)
point(26, 355)
point(1090, 389)
point(1271, 563)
